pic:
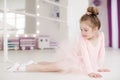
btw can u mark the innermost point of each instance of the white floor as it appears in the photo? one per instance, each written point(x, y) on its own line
point(112, 62)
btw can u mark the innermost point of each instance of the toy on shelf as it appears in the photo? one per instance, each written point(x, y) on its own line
point(43, 42)
point(53, 44)
point(27, 43)
point(13, 43)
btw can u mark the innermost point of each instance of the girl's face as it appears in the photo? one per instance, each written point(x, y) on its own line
point(87, 31)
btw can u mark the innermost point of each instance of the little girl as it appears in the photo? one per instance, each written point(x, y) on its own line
point(85, 55)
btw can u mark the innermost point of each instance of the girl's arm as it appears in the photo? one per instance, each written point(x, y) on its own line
point(86, 57)
point(101, 54)
point(87, 62)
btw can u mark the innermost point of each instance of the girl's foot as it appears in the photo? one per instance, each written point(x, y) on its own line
point(20, 67)
point(14, 67)
point(103, 70)
point(17, 67)
point(30, 62)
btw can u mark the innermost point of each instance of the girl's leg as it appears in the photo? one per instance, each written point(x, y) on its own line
point(43, 67)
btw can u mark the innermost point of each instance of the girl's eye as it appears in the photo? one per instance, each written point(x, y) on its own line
point(81, 29)
point(86, 30)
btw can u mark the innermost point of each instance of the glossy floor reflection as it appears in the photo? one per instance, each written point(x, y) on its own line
point(112, 61)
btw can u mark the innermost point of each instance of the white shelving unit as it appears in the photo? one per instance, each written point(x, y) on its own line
point(54, 22)
point(51, 18)
point(27, 43)
point(13, 43)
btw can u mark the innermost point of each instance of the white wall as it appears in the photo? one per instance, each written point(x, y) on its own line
point(13, 4)
point(104, 18)
point(30, 22)
point(114, 24)
point(76, 8)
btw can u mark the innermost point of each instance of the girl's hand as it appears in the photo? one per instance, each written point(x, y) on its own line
point(103, 70)
point(94, 75)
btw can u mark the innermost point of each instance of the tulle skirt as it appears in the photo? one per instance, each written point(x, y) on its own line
point(69, 57)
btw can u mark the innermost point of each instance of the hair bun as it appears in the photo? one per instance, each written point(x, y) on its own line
point(93, 10)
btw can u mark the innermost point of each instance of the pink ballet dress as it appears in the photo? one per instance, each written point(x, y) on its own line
point(80, 55)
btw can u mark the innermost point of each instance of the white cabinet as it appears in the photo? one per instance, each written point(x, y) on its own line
point(52, 19)
point(27, 43)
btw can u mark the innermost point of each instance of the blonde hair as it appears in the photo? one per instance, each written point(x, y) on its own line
point(91, 18)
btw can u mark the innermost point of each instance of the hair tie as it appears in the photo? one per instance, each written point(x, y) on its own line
point(88, 13)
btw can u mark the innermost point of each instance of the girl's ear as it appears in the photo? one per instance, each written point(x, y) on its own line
point(95, 29)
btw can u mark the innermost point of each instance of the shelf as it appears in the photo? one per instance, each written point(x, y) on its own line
point(54, 3)
point(27, 40)
point(27, 45)
point(13, 43)
point(35, 16)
